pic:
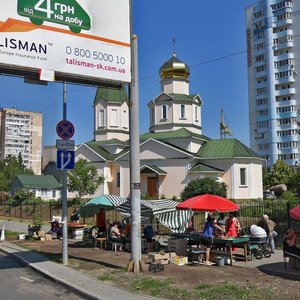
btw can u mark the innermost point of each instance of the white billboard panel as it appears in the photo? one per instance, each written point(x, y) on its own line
point(79, 37)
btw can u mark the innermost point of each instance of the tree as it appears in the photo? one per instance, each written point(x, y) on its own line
point(294, 184)
point(204, 186)
point(281, 174)
point(10, 167)
point(84, 179)
point(266, 178)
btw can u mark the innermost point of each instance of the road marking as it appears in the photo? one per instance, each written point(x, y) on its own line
point(27, 279)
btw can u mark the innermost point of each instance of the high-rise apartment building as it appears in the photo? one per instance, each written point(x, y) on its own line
point(21, 132)
point(273, 53)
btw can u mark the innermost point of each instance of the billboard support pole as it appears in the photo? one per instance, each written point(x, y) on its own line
point(135, 264)
point(64, 191)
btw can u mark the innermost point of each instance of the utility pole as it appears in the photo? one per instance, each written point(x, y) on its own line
point(135, 264)
point(64, 191)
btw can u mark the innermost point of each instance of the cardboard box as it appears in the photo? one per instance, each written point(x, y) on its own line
point(172, 254)
point(160, 255)
point(48, 237)
point(180, 260)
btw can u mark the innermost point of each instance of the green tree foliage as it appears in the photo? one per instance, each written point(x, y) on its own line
point(294, 184)
point(84, 179)
point(204, 186)
point(281, 173)
point(10, 167)
point(266, 178)
point(23, 195)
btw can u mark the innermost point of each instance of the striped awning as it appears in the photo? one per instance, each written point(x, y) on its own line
point(164, 210)
point(176, 221)
point(107, 202)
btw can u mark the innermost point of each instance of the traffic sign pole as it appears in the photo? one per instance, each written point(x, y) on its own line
point(64, 191)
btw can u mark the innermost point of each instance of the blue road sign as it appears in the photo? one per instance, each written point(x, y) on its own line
point(65, 160)
point(65, 129)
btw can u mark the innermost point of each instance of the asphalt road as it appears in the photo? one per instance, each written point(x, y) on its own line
point(19, 282)
point(19, 227)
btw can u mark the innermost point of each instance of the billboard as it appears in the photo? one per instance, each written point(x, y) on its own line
point(84, 39)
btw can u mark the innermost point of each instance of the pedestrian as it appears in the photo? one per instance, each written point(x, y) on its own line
point(268, 225)
point(207, 236)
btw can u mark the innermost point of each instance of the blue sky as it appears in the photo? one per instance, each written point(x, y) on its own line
point(205, 32)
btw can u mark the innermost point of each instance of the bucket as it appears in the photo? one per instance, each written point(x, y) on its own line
point(220, 261)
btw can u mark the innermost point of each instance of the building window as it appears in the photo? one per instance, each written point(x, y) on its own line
point(125, 119)
point(164, 112)
point(182, 111)
point(113, 121)
point(242, 176)
point(196, 113)
point(118, 180)
point(101, 118)
point(53, 194)
point(152, 115)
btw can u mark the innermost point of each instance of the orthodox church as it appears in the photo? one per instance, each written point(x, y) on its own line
point(174, 151)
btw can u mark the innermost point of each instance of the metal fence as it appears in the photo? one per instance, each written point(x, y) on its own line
point(248, 214)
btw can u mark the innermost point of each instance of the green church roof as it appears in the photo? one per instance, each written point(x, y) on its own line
point(179, 133)
point(111, 95)
point(226, 148)
point(204, 168)
point(38, 181)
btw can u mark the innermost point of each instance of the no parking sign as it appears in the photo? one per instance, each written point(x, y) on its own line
point(65, 129)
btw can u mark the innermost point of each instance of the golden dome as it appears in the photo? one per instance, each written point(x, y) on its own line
point(174, 68)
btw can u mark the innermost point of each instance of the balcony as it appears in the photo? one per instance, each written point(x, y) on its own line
point(283, 45)
point(289, 79)
point(290, 91)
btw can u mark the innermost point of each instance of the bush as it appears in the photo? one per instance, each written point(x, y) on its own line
point(204, 186)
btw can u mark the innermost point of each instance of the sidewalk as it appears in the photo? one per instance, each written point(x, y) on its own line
point(83, 284)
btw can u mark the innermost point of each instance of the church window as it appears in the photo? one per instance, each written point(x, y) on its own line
point(242, 176)
point(113, 121)
point(125, 119)
point(182, 111)
point(152, 115)
point(164, 112)
point(101, 118)
point(196, 113)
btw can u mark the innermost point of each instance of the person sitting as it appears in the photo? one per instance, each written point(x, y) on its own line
point(116, 236)
point(56, 228)
point(257, 231)
point(75, 217)
point(290, 247)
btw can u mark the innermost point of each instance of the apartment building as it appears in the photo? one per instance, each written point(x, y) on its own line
point(21, 132)
point(273, 51)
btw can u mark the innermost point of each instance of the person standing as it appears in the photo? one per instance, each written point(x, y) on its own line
point(268, 225)
point(232, 226)
point(207, 236)
point(100, 221)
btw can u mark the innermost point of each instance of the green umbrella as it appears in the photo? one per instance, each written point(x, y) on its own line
point(107, 202)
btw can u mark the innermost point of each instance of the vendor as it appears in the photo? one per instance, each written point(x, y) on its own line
point(206, 239)
point(100, 221)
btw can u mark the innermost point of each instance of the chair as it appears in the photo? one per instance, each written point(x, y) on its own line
point(102, 242)
point(114, 245)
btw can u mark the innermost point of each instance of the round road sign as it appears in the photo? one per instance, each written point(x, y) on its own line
point(65, 129)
